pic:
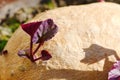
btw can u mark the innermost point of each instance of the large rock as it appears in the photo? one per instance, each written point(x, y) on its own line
point(84, 48)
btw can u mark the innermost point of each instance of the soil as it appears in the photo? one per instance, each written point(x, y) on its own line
point(4, 2)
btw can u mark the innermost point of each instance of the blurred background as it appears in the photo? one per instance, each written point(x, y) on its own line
point(15, 12)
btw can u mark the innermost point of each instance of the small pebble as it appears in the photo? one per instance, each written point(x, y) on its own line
point(22, 68)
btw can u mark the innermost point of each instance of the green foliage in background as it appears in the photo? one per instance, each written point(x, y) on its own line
point(2, 44)
point(10, 24)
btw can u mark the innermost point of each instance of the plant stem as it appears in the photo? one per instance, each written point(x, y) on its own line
point(37, 59)
point(37, 48)
point(31, 46)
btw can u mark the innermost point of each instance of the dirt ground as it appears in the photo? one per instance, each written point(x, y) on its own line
point(4, 2)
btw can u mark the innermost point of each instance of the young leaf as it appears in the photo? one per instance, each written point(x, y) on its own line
point(31, 28)
point(114, 74)
point(45, 55)
point(45, 31)
point(39, 32)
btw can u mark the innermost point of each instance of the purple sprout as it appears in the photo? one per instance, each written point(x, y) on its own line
point(39, 33)
point(114, 73)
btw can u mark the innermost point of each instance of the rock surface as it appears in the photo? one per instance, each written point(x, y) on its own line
point(84, 48)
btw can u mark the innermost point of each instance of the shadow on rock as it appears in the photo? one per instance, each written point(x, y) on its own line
point(71, 74)
point(96, 53)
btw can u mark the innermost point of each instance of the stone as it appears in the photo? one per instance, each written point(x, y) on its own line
point(85, 47)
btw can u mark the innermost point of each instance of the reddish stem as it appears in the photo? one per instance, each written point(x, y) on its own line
point(37, 48)
point(31, 46)
point(37, 59)
point(118, 78)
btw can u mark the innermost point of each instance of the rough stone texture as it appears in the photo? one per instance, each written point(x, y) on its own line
point(84, 48)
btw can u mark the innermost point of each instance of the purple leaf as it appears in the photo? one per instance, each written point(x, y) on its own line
point(45, 55)
point(46, 31)
point(114, 73)
point(31, 28)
